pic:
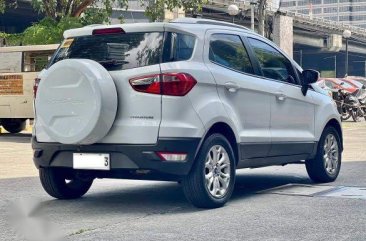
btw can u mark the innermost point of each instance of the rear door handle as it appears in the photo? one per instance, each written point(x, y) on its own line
point(231, 87)
point(280, 96)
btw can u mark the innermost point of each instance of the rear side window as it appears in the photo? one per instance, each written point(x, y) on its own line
point(228, 50)
point(178, 47)
point(116, 51)
point(273, 64)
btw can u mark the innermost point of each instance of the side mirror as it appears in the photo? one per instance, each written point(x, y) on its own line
point(308, 77)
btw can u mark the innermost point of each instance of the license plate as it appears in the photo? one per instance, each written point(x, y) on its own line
point(91, 161)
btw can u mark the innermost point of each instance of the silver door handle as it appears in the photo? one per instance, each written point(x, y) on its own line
point(280, 96)
point(231, 87)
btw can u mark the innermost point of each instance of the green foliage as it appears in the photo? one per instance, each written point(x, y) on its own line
point(11, 39)
point(155, 9)
point(95, 16)
point(2, 6)
point(49, 31)
point(58, 9)
point(66, 14)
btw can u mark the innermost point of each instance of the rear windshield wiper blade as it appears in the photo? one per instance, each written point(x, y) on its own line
point(113, 62)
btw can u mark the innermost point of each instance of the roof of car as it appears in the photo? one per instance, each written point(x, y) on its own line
point(184, 23)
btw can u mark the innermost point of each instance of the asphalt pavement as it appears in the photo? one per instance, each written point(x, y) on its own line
point(143, 210)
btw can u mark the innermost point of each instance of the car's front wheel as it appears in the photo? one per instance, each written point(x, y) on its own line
point(211, 180)
point(61, 184)
point(326, 165)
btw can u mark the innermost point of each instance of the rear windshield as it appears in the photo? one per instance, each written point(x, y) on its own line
point(114, 52)
point(127, 51)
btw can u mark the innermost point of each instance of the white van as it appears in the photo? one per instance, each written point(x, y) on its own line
point(19, 67)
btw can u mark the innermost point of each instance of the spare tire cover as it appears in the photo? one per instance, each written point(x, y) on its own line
point(76, 101)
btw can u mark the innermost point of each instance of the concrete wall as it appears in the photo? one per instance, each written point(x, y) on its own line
point(283, 33)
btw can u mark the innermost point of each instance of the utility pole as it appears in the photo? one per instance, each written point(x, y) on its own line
point(346, 34)
point(252, 6)
point(335, 64)
point(301, 57)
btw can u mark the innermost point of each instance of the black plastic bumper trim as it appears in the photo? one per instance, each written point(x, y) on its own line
point(123, 156)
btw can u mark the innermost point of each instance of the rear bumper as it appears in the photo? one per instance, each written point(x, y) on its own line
point(123, 157)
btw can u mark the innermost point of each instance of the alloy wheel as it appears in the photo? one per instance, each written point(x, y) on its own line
point(331, 154)
point(217, 171)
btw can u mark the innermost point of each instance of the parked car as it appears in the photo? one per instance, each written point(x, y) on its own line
point(19, 67)
point(359, 79)
point(335, 84)
point(186, 101)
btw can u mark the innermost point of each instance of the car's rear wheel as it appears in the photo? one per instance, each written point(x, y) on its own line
point(62, 184)
point(326, 165)
point(211, 180)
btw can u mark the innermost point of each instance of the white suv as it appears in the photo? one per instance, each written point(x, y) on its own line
point(189, 101)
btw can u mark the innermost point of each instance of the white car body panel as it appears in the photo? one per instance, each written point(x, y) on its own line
point(253, 112)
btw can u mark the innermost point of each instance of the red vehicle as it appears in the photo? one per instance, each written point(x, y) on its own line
point(335, 84)
point(359, 79)
point(353, 82)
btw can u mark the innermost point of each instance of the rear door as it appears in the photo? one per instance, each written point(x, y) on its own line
point(292, 113)
point(133, 54)
point(245, 97)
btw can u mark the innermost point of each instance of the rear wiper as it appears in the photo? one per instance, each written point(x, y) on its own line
point(113, 62)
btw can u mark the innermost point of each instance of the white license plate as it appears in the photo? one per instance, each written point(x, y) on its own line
point(91, 161)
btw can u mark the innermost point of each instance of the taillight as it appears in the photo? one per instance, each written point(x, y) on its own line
point(105, 31)
point(35, 86)
point(174, 84)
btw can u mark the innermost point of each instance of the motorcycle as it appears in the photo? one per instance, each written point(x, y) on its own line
point(340, 97)
point(348, 105)
point(361, 96)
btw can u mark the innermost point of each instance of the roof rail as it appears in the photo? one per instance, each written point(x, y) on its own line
point(207, 21)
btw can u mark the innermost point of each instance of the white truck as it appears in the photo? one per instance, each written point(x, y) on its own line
point(19, 67)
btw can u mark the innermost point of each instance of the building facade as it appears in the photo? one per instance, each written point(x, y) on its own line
point(344, 11)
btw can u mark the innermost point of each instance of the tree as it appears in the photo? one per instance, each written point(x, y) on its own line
point(7, 3)
point(48, 31)
point(58, 9)
point(262, 6)
point(155, 9)
point(2, 6)
point(65, 14)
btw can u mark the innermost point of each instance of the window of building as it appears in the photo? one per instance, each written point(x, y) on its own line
point(317, 10)
point(303, 11)
point(288, 4)
point(330, 10)
point(329, 1)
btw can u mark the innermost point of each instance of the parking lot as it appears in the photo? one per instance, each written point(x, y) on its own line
point(274, 203)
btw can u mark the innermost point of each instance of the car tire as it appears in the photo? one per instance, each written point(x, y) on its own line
point(61, 185)
point(326, 165)
point(14, 125)
point(210, 183)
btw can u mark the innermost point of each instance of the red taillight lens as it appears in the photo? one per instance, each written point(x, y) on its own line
point(177, 84)
point(147, 84)
point(105, 31)
point(35, 86)
point(174, 84)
